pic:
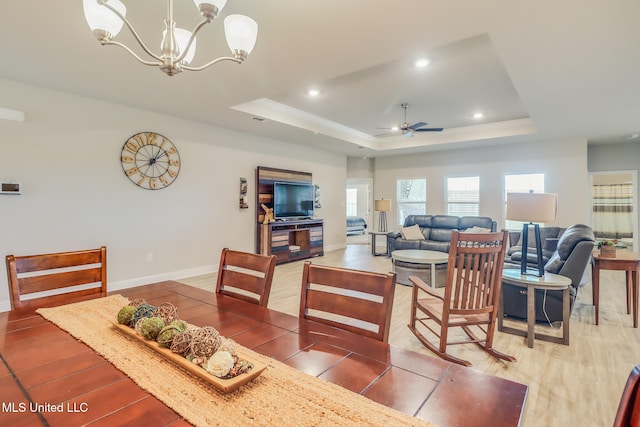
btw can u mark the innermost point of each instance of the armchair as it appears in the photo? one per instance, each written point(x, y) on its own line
point(549, 236)
point(570, 259)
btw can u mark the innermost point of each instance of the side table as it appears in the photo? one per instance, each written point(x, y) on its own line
point(550, 282)
point(629, 262)
point(374, 235)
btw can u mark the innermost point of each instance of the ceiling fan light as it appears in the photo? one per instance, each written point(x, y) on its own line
point(241, 33)
point(101, 18)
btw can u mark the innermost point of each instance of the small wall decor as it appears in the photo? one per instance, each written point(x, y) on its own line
point(316, 196)
point(243, 193)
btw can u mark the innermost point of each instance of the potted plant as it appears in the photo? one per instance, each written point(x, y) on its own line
point(607, 248)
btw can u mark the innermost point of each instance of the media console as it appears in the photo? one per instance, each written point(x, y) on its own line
point(292, 240)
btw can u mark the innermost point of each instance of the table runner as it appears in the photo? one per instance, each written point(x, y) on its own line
point(281, 396)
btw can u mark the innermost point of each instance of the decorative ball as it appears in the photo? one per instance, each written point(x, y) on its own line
point(205, 342)
point(151, 327)
point(169, 332)
point(144, 310)
point(138, 326)
point(181, 343)
point(167, 311)
point(126, 314)
point(229, 346)
point(137, 302)
point(220, 364)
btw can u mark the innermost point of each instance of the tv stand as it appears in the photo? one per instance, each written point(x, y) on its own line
point(291, 240)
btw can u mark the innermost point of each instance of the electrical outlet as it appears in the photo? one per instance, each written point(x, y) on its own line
point(150, 256)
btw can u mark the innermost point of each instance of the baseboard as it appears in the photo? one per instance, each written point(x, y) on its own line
point(173, 275)
point(329, 248)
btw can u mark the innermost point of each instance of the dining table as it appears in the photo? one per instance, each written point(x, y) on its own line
point(40, 361)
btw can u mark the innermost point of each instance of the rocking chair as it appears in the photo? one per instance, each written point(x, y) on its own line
point(471, 295)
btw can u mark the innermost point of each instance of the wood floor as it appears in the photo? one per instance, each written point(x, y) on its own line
point(575, 385)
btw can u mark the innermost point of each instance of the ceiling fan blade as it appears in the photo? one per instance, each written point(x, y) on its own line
point(383, 135)
point(417, 125)
point(429, 130)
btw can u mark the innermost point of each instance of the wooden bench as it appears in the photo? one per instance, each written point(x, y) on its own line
point(58, 278)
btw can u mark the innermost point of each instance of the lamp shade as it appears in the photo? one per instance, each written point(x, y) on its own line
point(532, 207)
point(241, 32)
point(382, 205)
point(100, 18)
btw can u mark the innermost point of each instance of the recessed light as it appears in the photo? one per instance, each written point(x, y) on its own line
point(421, 63)
point(634, 136)
point(395, 128)
point(313, 92)
point(478, 115)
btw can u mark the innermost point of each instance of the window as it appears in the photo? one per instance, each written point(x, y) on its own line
point(522, 183)
point(352, 202)
point(412, 198)
point(463, 195)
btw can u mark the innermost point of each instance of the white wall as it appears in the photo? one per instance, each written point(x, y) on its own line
point(563, 162)
point(75, 195)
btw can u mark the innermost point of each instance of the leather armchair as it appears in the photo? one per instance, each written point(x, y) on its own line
point(549, 237)
point(570, 259)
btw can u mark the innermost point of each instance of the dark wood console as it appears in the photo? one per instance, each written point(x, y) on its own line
point(292, 240)
point(287, 240)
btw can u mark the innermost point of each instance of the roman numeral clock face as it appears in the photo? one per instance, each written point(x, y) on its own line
point(150, 160)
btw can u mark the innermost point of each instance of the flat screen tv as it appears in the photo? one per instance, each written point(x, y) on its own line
point(292, 200)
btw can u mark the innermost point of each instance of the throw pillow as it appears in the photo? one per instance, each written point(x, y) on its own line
point(476, 229)
point(412, 233)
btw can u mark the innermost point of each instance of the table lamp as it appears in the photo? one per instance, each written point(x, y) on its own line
point(383, 206)
point(532, 208)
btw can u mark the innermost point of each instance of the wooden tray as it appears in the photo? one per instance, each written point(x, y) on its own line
point(223, 385)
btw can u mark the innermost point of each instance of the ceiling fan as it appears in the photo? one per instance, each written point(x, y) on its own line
point(406, 129)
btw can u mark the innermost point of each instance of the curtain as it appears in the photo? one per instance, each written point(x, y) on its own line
point(613, 211)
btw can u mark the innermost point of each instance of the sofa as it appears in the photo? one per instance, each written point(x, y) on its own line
point(435, 231)
point(356, 225)
point(571, 259)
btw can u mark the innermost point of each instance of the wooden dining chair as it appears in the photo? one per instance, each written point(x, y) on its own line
point(246, 276)
point(628, 414)
point(471, 296)
point(353, 300)
point(56, 278)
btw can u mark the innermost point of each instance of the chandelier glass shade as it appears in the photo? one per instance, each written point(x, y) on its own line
point(107, 17)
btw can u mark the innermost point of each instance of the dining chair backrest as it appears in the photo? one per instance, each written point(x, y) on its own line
point(246, 276)
point(354, 300)
point(56, 278)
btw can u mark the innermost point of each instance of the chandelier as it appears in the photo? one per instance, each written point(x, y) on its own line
point(106, 18)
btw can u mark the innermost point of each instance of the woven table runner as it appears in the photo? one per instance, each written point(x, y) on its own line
point(281, 396)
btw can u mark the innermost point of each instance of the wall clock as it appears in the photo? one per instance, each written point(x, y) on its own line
point(150, 160)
